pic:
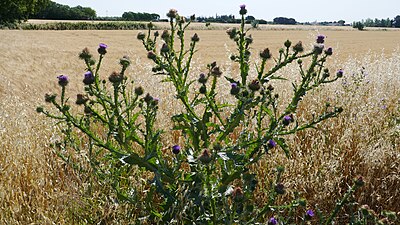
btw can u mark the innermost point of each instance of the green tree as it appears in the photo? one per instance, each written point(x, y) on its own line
point(396, 22)
point(18, 10)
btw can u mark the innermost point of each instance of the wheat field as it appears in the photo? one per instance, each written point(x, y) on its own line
point(36, 187)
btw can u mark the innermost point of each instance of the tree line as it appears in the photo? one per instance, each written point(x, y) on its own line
point(378, 23)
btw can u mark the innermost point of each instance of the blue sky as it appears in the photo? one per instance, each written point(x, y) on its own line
point(301, 10)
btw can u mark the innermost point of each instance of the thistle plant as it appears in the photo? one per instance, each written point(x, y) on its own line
point(208, 178)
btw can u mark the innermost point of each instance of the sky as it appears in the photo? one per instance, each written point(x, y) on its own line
point(301, 10)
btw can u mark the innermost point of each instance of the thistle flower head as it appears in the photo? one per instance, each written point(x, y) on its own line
point(320, 39)
point(172, 13)
point(272, 221)
point(265, 54)
point(176, 149)
point(235, 89)
point(141, 36)
point(63, 80)
point(309, 214)
point(88, 78)
point(243, 10)
point(102, 49)
point(298, 47)
point(329, 51)
point(339, 73)
point(271, 144)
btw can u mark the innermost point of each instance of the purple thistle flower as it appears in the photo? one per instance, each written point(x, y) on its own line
point(243, 9)
point(287, 119)
point(271, 143)
point(234, 89)
point(89, 78)
point(320, 39)
point(309, 214)
point(63, 80)
point(339, 73)
point(272, 221)
point(176, 149)
point(102, 49)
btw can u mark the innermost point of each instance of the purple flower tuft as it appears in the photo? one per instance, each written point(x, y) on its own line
point(320, 39)
point(235, 89)
point(243, 9)
point(176, 149)
point(272, 221)
point(89, 78)
point(271, 143)
point(102, 49)
point(287, 119)
point(63, 80)
point(329, 51)
point(310, 213)
point(339, 73)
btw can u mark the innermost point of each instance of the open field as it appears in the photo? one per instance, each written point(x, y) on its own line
point(36, 187)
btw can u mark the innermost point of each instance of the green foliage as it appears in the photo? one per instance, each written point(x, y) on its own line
point(358, 25)
point(19, 10)
point(131, 16)
point(63, 12)
point(81, 26)
point(396, 21)
point(207, 178)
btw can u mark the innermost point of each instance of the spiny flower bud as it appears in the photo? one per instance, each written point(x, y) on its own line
point(165, 34)
point(243, 10)
point(232, 32)
point(235, 89)
point(254, 85)
point(193, 17)
point(156, 34)
point(249, 39)
point(39, 109)
point(49, 97)
point(63, 80)
point(88, 78)
point(318, 48)
point(148, 98)
point(141, 36)
point(85, 54)
point(205, 157)
point(115, 78)
point(151, 55)
point(203, 89)
point(195, 38)
point(164, 48)
point(329, 51)
point(125, 61)
point(265, 54)
point(287, 43)
point(216, 71)
point(172, 13)
point(102, 49)
point(298, 47)
point(81, 99)
point(202, 78)
point(139, 90)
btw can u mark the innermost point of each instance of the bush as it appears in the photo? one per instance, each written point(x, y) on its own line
point(358, 25)
point(207, 177)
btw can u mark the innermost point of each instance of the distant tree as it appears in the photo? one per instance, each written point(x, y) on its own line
point(132, 16)
point(341, 22)
point(284, 20)
point(18, 10)
point(396, 21)
point(358, 25)
point(64, 12)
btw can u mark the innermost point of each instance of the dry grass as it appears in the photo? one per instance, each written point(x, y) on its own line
point(37, 188)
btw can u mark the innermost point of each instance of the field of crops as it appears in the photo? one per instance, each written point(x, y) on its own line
point(37, 187)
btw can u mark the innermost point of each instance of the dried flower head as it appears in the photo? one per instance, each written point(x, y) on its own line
point(205, 157)
point(139, 90)
point(298, 47)
point(85, 54)
point(172, 13)
point(115, 78)
point(215, 71)
point(255, 85)
point(81, 99)
point(195, 38)
point(265, 54)
point(280, 188)
point(238, 194)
